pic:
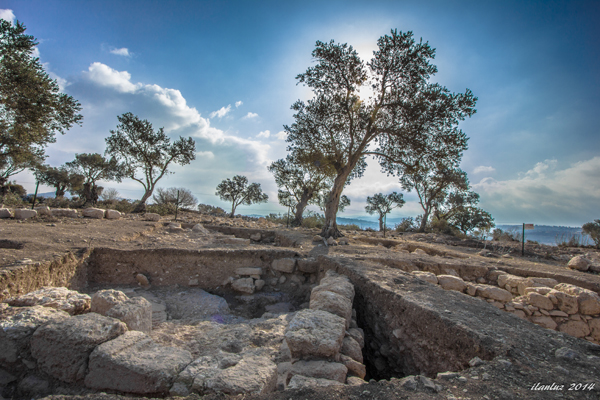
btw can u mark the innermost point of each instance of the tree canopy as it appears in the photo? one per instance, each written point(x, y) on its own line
point(32, 109)
point(404, 118)
point(593, 230)
point(93, 168)
point(383, 205)
point(175, 198)
point(144, 154)
point(239, 192)
point(61, 178)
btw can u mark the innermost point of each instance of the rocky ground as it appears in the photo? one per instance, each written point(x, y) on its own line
point(519, 353)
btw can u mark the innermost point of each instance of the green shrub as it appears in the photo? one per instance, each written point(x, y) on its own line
point(211, 210)
point(350, 227)
point(593, 230)
point(406, 225)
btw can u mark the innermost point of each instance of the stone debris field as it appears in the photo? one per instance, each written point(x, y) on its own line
point(102, 304)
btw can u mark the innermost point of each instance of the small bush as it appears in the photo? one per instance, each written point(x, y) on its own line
point(511, 235)
point(349, 227)
point(570, 240)
point(406, 225)
point(161, 209)
point(593, 230)
point(313, 220)
point(211, 210)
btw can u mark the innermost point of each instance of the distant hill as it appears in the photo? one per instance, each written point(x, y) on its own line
point(551, 235)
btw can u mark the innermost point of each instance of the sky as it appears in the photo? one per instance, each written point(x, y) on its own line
point(223, 72)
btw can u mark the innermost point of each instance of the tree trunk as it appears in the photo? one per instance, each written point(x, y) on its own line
point(424, 219)
point(232, 209)
point(330, 227)
point(380, 222)
point(87, 194)
point(141, 207)
point(60, 192)
point(306, 196)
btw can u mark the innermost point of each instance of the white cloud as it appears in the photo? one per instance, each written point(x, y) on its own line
point(62, 83)
point(35, 52)
point(221, 112)
point(483, 168)
point(104, 75)
point(545, 194)
point(123, 51)
point(264, 134)
point(281, 135)
point(205, 154)
point(7, 15)
point(251, 115)
point(238, 103)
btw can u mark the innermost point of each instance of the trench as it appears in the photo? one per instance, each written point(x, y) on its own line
point(400, 338)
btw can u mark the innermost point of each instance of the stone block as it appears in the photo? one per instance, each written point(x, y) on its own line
point(62, 347)
point(579, 329)
point(112, 214)
point(24, 213)
point(256, 237)
point(357, 334)
point(449, 282)
point(565, 302)
point(243, 285)
point(43, 210)
point(133, 363)
point(494, 293)
point(332, 302)
point(315, 334)
point(151, 217)
point(59, 298)
point(198, 228)
point(238, 241)
point(579, 263)
point(308, 265)
point(535, 282)
point(354, 367)
point(96, 213)
point(587, 300)
point(253, 375)
point(136, 313)
point(104, 300)
point(351, 348)
point(594, 325)
point(320, 369)
point(544, 321)
point(5, 213)
point(284, 265)
point(305, 382)
point(340, 284)
point(64, 212)
point(426, 276)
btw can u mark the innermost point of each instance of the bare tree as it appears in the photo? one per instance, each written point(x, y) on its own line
point(239, 192)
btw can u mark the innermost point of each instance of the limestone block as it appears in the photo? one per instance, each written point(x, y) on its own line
point(535, 282)
point(565, 302)
point(198, 228)
point(5, 213)
point(332, 282)
point(579, 263)
point(96, 213)
point(284, 265)
point(331, 241)
point(587, 300)
point(343, 241)
point(142, 279)
point(351, 348)
point(252, 375)
point(494, 293)
point(59, 298)
point(244, 285)
point(471, 289)
point(16, 330)
point(317, 238)
point(151, 217)
point(43, 210)
point(449, 282)
point(332, 302)
point(234, 240)
point(354, 367)
point(355, 381)
point(112, 214)
point(315, 334)
point(248, 271)
point(539, 301)
point(543, 290)
point(320, 369)
point(511, 280)
point(136, 313)
point(104, 300)
point(259, 284)
point(133, 363)
point(544, 321)
point(358, 335)
point(579, 329)
point(256, 237)
point(24, 213)
point(426, 276)
point(304, 382)
point(420, 252)
point(62, 347)
point(64, 212)
point(308, 265)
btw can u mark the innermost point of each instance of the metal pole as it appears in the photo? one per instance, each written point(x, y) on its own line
point(176, 205)
point(523, 242)
point(35, 195)
point(384, 224)
point(288, 219)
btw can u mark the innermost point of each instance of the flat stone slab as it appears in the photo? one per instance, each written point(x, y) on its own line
point(62, 347)
point(59, 298)
point(133, 363)
point(253, 374)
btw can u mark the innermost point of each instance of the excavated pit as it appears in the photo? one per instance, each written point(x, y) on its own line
point(410, 327)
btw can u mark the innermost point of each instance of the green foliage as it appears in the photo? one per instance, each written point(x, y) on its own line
point(32, 109)
point(161, 209)
point(593, 230)
point(467, 219)
point(406, 225)
point(350, 227)
point(511, 235)
point(211, 210)
point(138, 147)
point(110, 195)
point(13, 195)
point(61, 178)
point(383, 205)
point(93, 167)
point(323, 198)
point(239, 192)
point(406, 118)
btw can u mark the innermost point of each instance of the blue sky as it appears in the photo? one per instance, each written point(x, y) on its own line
point(224, 73)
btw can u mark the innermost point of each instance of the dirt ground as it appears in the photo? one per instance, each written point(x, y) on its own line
point(46, 238)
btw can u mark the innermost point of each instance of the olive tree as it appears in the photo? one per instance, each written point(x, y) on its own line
point(593, 230)
point(145, 154)
point(383, 205)
point(175, 197)
point(61, 178)
point(93, 168)
point(32, 109)
point(239, 192)
point(404, 117)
